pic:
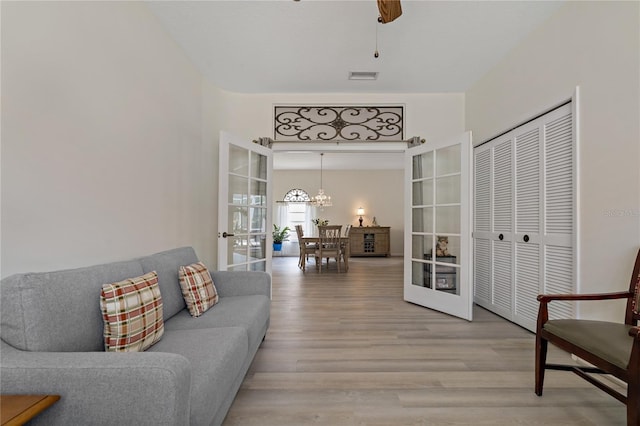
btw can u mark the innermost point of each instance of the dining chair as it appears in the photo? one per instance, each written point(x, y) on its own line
point(305, 248)
point(329, 245)
point(345, 250)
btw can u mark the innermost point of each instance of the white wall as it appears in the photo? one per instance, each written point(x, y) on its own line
point(594, 45)
point(212, 115)
point(102, 137)
point(379, 192)
point(95, 91)
point(430, 116)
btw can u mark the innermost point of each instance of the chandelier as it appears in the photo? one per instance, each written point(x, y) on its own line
point(322, 199)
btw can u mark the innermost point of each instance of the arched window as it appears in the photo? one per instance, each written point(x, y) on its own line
point(296, 196)
point(294, 209)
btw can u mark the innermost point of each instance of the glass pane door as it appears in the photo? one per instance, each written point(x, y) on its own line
point(438, 238)
point(243, 205)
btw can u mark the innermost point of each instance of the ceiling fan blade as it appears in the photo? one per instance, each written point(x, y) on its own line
point(389, 10)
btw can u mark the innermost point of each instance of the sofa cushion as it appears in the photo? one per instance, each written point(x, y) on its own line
point(216, 356)
point(248, 312)
point(198, 289)
point(132, 313)
point(58, 311)
point(166, 264)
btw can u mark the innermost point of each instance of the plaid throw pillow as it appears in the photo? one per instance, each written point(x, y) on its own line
point(197, 288)
point(132, 313)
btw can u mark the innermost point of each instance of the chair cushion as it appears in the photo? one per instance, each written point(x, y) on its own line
point(607, 340)
point(197, 288)
point(132, 312)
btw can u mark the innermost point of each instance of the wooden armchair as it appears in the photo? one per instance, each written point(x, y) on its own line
point(612, 348)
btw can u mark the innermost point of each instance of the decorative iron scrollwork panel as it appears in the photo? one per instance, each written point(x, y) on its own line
point(296, 195)
point(339, 123)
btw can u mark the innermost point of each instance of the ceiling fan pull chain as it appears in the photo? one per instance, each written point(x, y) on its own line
point(376, 54)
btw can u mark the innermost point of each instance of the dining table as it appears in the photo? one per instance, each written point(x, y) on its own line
point(344, 241)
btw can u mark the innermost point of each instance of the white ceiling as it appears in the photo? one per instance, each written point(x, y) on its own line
point(310, 46)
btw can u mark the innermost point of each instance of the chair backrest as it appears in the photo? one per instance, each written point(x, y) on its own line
point(346, 230)
point(633, 304)
point(330, 236)
point(299, 231)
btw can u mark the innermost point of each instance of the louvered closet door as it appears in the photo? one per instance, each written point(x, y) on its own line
point(482, 240)
point(544, 249)
point(502, 241)
point(559, 210)
point(524, 215)
point(528, 223)
point(493, 226)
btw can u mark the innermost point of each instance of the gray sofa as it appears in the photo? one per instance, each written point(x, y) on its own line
point(51, 328)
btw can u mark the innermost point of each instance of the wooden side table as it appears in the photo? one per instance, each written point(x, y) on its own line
point(19, 409)
point(370, 241)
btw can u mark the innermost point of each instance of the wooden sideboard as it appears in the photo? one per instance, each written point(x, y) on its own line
point(369, 241)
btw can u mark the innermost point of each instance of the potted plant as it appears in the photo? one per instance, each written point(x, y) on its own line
point(279, 235)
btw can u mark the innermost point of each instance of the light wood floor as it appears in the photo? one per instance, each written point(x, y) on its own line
point(345, 349)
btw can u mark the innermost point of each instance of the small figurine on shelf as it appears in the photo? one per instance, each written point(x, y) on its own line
point(374, 222)
point(442, 246)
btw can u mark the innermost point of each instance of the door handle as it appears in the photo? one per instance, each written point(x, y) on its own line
point(501, 237)
point(225, 235)
point(526, 238)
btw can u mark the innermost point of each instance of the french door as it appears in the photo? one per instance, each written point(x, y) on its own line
point(437, 242)
point(244, 200)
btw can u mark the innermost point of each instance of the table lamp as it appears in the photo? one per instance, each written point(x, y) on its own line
point(360, 213)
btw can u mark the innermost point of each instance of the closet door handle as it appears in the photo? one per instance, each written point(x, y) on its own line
point(501, 237)
point(526, 238)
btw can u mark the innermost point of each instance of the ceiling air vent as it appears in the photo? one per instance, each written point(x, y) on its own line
point(363, 75)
